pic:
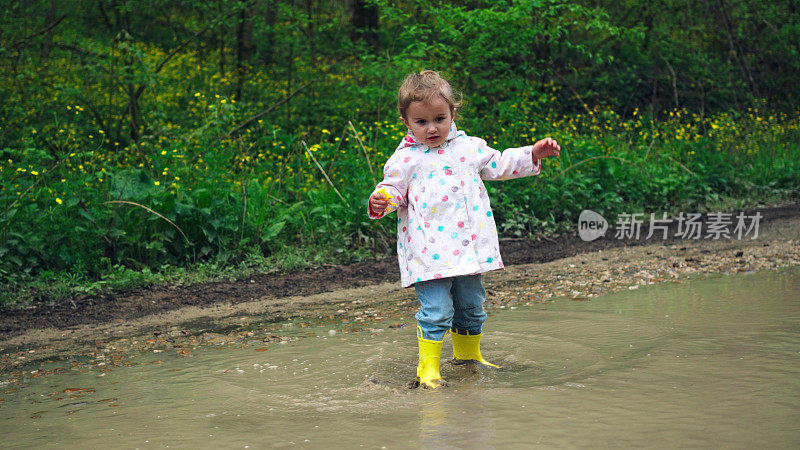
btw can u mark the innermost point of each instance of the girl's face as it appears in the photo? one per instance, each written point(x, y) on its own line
point(429, 121)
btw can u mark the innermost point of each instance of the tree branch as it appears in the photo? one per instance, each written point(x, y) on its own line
point(38, 33)
point(572, 89)
point(167, 58)
point(270, 109)
point(674, 79)
point(80, 50)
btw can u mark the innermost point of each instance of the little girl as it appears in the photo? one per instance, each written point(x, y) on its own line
point(446, 235)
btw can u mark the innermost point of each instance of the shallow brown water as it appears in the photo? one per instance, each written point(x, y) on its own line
point(705, 363)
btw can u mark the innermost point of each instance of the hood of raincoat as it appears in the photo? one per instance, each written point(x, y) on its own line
point(410, 140)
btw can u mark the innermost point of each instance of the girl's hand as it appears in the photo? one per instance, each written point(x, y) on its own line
point(545, 148)
point(378, 202)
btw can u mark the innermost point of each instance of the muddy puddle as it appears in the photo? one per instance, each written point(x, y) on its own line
point(704, 363)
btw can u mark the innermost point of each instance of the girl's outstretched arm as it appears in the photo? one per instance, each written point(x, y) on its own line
point(506, 165)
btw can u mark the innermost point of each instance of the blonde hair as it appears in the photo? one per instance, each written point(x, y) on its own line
point(422, 87)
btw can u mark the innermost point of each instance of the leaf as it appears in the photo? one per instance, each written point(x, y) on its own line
point(86, 215)
point(131, 185)
point(10, 214)
point(273, 231)
point(210, 233)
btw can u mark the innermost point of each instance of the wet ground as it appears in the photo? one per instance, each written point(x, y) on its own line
point(710, 361)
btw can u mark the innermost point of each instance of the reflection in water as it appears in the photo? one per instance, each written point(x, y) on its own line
point(456, 419)
point(433, 420)
point(708, 363)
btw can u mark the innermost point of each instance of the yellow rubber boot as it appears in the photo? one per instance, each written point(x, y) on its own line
point(430, 353)
point(468, 348)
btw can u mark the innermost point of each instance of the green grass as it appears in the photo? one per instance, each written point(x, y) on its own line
point(55, 287)
point(232, 217)
point(190, 200)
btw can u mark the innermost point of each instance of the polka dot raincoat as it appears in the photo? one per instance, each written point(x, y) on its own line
point(445, 225)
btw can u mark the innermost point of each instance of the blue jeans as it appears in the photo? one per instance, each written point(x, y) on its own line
point(454, 303)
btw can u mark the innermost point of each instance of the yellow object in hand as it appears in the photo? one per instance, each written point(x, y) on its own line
point(388, 197)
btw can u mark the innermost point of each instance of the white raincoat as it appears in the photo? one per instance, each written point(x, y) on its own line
point(445, 226)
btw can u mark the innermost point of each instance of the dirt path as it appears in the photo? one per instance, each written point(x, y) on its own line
point(367, 295)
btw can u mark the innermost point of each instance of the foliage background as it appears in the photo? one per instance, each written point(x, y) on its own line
point(141, 136)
